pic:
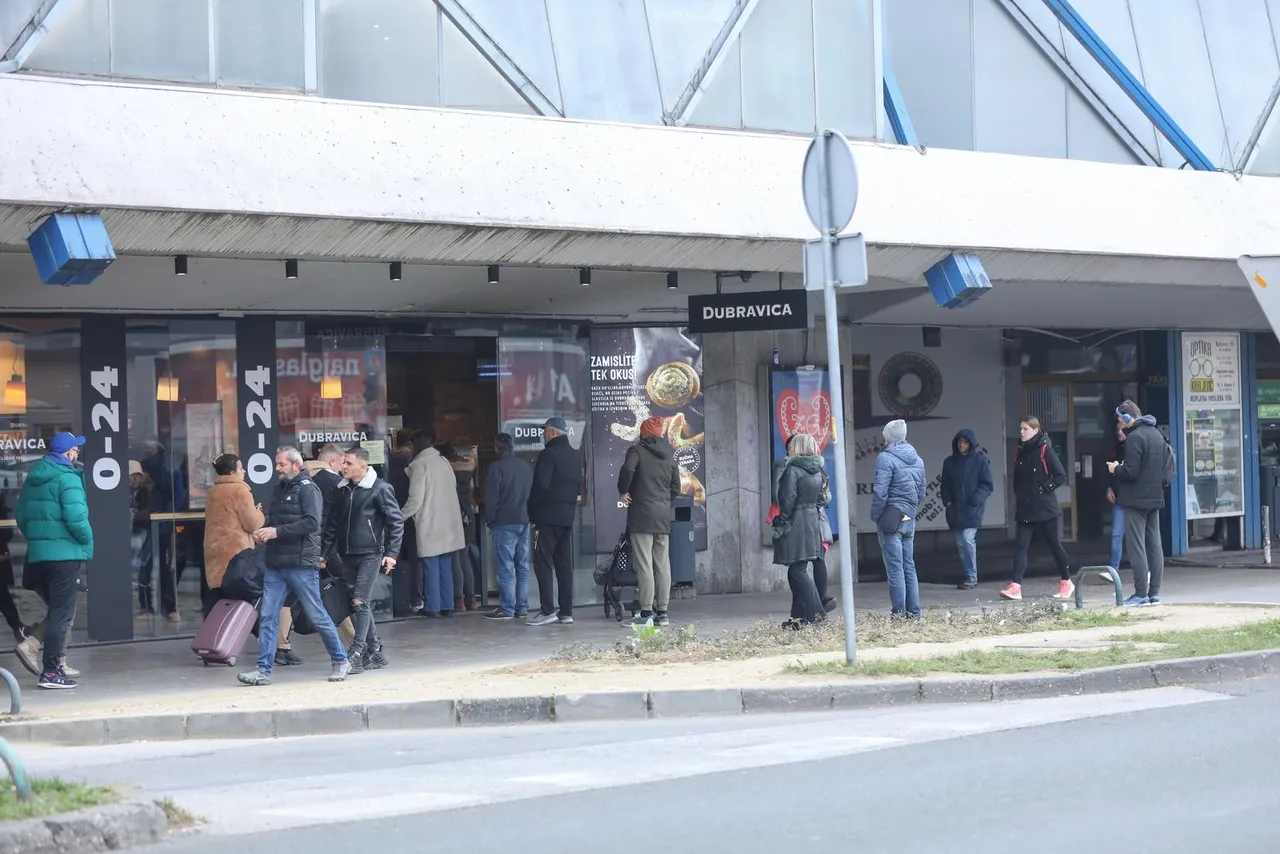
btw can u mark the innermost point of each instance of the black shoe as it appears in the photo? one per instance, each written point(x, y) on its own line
point(356, 659)
point(967, 585)
point(374, 660)
point(56, 680)
point(660, 618)
point(287, 658)
point(795, 624)
point(829, 604)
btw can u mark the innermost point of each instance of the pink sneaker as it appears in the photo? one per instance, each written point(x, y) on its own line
point(1066, 589)
point(1013, 591)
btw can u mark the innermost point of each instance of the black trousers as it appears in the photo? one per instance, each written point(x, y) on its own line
point(1048, 532)
point(553, 565)
point(806, 603)
point(56, 586)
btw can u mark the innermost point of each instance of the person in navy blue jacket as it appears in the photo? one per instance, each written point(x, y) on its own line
point(966, 486)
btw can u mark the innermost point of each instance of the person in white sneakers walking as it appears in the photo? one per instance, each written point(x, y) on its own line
point(1037, 475)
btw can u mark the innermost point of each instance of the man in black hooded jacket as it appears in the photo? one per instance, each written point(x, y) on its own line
point(966, 486)
point(1141, 476)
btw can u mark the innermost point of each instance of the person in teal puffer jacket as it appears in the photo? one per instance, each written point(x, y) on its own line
point(53, 516)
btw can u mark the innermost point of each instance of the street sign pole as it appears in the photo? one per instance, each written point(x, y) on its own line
point(829, 229)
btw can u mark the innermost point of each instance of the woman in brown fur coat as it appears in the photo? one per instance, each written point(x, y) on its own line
point(230, 518)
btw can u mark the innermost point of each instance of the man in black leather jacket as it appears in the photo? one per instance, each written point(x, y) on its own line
point(292, 535)
point(553, 503)
point(364, 529)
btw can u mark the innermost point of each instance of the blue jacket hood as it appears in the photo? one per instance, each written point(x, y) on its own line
point(903, 452)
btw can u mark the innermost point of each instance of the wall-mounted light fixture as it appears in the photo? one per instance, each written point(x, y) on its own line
point(179, 265)
point(167, 389)
point(397, 271)
point(673, 280)
point(291, 268)
point(493, 274)
point(584, 276)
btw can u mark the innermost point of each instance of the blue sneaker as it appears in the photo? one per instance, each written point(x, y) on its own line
point(1153, 599)
point(1136, 600)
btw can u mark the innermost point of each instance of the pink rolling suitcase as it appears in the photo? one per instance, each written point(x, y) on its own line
point(223, 634)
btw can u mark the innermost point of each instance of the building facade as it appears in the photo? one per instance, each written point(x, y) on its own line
point(335, 218)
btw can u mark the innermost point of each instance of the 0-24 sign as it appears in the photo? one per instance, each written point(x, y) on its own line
point(257, 415)
point(104, 421)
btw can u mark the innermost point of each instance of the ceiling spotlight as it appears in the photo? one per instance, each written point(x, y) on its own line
point(291, 268)
point(493, 274)
point(179, 265)
point(397, 271)
point(584, 276)
point(673, 280)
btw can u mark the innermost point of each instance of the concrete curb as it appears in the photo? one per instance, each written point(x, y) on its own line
point(638, 705)
point(106, 828)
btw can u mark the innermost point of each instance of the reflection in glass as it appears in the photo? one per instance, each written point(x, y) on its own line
point(1214, 463)
point(182, 414)
point(40, 362)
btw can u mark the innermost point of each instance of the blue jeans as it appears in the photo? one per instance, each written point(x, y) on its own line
point(898, 550)
point(511, 547)
point(305, 584)
point(967, 543)
point(437, 583)
point(1117, 534)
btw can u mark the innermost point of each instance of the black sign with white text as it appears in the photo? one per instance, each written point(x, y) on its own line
point(743, 312)
point(256, 395)
point(105, 456)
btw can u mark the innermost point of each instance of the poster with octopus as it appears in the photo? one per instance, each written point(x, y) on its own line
point(637, 373)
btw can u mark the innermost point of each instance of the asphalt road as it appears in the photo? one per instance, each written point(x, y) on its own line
point(1169, 771)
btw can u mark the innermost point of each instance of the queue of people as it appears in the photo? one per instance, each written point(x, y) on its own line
point(338, 517)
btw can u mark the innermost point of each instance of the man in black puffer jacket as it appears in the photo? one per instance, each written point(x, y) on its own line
point(1141, 476)
point(364, 529)
point(553, 503)
point(966, 486)
point(292, 535)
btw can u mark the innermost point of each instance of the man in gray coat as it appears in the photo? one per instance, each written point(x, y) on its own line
point(648, 484)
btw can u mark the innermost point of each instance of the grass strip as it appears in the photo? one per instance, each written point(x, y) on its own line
point(50, 796)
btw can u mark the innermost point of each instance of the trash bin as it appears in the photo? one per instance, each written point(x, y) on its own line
point(681, 542)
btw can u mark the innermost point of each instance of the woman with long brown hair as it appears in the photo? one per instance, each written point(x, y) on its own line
point(1037, 475)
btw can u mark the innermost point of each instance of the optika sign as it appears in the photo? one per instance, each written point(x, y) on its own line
point(758, 310)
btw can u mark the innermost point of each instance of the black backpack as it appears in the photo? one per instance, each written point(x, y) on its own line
point(1170, 464)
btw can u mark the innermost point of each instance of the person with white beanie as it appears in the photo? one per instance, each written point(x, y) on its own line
point(896, 494)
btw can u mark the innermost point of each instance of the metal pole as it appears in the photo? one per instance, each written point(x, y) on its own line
point(1266, 535)
point(845, 542)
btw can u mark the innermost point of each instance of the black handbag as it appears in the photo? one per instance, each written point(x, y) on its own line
point(336, 601)
point(243, 578)
point(890, 521)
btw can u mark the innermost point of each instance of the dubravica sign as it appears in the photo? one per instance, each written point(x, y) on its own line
point(743, 312)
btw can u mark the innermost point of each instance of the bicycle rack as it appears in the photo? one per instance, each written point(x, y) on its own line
point(1101, 570)
point(7, 754)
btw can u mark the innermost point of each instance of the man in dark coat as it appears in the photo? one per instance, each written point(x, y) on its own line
point(553, 504)
point(648, 484)
point(1141, 476)
point(966, 486)
point(506, 510)
point(292, 535)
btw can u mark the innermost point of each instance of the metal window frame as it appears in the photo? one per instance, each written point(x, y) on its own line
point(44, 19)
point(693, 92)
point(498, 58)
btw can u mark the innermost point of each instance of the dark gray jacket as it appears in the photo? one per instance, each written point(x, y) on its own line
point(506, 491)
point(295, 512)
point(1141, 475)
point(651, 475)
point(802, 499)
point(557, 480)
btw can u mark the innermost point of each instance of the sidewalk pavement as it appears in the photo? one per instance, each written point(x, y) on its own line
point(468, 656)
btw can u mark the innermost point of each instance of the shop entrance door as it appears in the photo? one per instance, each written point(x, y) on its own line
point(1093, 406)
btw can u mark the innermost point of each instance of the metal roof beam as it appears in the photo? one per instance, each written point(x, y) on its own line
point(47, 14)
point(711, 62)
point(904, 132)
point(1130, 84)
point(1127, 137)
point(498, 58)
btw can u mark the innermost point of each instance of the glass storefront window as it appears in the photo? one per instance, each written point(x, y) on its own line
point(1214, 463)
point(40, 368)
point(182, 414)
point(1079, 352)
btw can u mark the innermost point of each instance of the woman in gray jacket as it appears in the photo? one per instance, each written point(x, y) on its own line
point(797, 530)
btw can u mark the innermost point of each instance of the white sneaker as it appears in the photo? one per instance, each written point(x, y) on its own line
point(541, 619)
point(67, 670)
point(340, 671)
point(566, 621)
point(28, 653)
